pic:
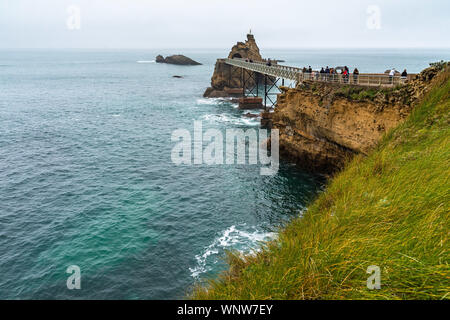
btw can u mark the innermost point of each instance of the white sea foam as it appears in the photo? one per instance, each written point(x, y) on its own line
point(243, 239)
point(227, 118)
point(146, 61)
point(208, 101)
point(216, 101)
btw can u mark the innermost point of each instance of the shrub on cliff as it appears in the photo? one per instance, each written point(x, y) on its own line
point(440, 65)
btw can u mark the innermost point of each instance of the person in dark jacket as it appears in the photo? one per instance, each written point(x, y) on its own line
point(327, 73)
point(355, 75)
point(404, 74)
point(345, 74)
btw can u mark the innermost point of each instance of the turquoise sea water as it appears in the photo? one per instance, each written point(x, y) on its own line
point(86, 176)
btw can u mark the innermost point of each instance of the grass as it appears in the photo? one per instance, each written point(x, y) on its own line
point(356, 93)
point(390, 209)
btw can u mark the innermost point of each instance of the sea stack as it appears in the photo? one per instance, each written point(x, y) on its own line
point(227, 79)
point(178, 60)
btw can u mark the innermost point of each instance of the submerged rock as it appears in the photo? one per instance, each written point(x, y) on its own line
point(178, 60)
point(251, 115)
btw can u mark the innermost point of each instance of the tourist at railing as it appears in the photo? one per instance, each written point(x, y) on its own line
point(327, 73)
point(355, 75)
point(309, 73)
point(316, 75)
point(345, 74)
point(404, 75)
point(322, 74)
point(391, 75)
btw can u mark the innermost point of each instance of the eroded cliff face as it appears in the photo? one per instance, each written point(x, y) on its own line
point(322, 125)
point(227, 77)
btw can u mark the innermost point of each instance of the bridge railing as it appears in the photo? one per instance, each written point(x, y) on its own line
point(278, 71)
point(297, 74)
point(355, 79)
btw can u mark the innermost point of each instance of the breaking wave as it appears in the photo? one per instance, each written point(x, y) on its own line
point(245, 241)
point(217, 101)
point(230, 119)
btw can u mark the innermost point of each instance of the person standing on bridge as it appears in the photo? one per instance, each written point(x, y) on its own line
point(327, 73)
point(404, 75)
point(355, 75)
point(345, 74)
point(269, 63)
point(391, 75)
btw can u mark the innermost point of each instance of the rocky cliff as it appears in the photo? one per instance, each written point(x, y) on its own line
point(321, 125)
point(227, 77)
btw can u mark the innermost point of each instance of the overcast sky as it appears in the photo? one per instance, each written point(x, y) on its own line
point(218, 24)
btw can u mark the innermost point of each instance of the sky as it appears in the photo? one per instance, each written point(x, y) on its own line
point(217, 24)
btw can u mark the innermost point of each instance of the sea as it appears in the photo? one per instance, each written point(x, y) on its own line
point(87, 178)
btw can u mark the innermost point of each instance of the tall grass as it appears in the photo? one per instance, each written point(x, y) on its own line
point(390, 209)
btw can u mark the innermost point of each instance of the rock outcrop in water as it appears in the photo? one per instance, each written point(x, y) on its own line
point(226, 77)
point(178, 60)
point(322, 125)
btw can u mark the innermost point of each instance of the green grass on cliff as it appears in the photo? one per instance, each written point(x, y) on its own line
point(390, 209)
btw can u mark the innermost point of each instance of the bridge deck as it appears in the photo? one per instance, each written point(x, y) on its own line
point(297, 75)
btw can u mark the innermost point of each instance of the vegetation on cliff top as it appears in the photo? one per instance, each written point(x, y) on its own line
point(390, 209)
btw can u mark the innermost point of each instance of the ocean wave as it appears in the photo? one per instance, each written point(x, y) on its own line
point(245, 241)
point(217, 101)
point(146, 61)
point(227, 118)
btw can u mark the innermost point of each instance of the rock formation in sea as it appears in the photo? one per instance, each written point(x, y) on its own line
point(322, 125)
point(178, 60)
point(226, 77)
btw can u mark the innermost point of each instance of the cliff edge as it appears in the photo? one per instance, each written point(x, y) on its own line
point(322, 125)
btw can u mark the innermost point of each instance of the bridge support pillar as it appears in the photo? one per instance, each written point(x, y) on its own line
point(265, 92)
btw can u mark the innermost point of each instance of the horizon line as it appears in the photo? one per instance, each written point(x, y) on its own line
point(223, 48)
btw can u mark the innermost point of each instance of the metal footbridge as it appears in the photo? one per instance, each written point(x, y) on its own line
point(297, 75)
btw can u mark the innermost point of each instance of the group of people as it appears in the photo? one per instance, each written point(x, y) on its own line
point(332, 74)
point(393, 72)
point(329, 74)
